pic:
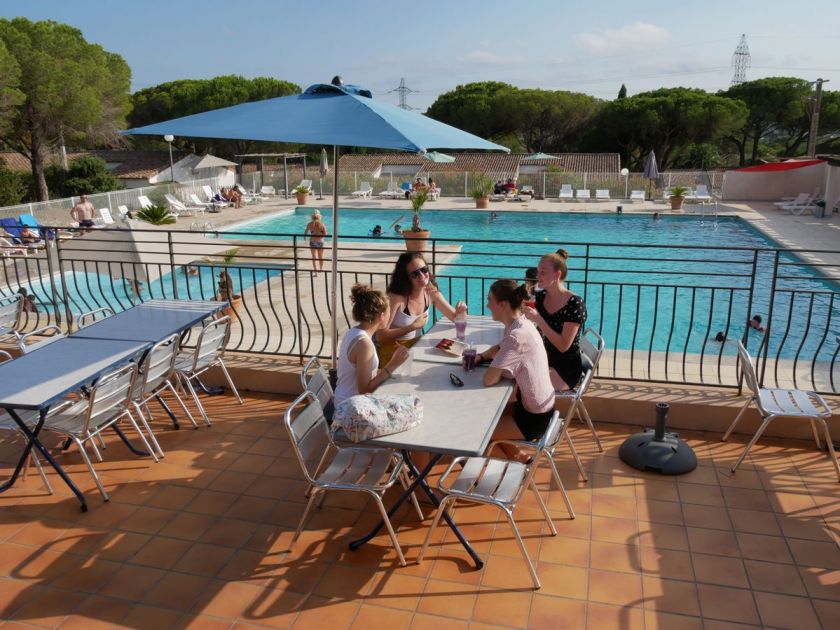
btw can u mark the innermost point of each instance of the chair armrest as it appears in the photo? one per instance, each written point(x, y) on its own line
point(92, 314)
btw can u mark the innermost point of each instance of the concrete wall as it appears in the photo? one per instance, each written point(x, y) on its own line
point(772, 186)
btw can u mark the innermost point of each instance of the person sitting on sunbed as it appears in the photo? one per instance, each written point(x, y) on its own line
point(27, 236)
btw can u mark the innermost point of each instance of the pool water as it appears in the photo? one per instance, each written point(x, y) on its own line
point(642, 291)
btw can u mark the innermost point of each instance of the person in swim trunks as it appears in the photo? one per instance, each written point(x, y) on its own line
point(316, 230)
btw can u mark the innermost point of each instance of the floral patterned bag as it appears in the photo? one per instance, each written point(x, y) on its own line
point(369, 416)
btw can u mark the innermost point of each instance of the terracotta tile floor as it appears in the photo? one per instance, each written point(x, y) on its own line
point(201, 540)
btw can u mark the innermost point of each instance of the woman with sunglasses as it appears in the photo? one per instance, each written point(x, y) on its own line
point(520, 356)
point(411, 294)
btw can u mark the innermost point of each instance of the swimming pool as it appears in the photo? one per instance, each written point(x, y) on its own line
point(659, 285)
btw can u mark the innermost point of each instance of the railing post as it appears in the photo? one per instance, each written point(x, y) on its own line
point(543, 186)
point(48, 250)
point(584, 180)
point(769, 328)
point(466, 183)
point(64, 294)
point(297, 297)
point(172, 265)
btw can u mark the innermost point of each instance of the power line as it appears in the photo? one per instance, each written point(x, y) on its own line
point(403, 91)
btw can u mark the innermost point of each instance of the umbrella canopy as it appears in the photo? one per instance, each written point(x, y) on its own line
point(651, 170)
point(440, 158)
point(211, 161)
point(334, 114)
point(142, 252)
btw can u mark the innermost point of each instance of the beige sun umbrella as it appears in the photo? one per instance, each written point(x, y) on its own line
point(141, 253)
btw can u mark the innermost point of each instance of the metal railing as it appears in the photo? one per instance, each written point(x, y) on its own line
point(658, 307)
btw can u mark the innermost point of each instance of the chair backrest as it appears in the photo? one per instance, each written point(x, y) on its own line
point(157, 366)
point(123, 210)
point(11, 310)
point(748, 368)
point(26, 348)
point(591, 351)
point(701, 191)
point(548, 440)
point(566, 188)
point(110, 396)
point(11, 226)
point(393, 186)
point(405, 185)
point(208, 192)
point(308, 432)
point(30, 221)
point(365, 186)
point(86, 319)
point(583, 193)
point(105, 213)
point(241, 189)
point(268, 190)
point(211, 342)
point(144, 201)
point(315, 379)
point(308, 183)
point(173, 200)
point(194, 199)
point(602, 193)
point(637, 194)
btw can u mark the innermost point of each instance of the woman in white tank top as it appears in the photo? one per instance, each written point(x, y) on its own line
point(358, 365)
point(412, 293)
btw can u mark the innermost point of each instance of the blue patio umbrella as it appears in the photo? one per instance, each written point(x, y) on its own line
point(651, 172)
point(336, 114)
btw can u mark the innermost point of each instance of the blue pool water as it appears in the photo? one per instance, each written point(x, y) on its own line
point(641, 289)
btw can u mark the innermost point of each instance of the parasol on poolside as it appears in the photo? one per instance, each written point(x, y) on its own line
point(651, 170)
point(323, 169)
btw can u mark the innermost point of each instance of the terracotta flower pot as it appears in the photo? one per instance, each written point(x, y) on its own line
point(232, 310)
point(676, 202)
point(482, 202)
point(301, 198)
point(416, 241)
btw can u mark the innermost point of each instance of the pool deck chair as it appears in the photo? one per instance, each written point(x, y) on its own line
point(315, 379)
point(327, 467)
point(602, 194)
point(393, 191)
point(13, 228)
point(797, 209)
point(177, 208)
point(307, 183)
point(269, 191)
point(104, 219)
point(583, 194)
point(7, 248)
point(701, 193)
point(11, 312)
point(795, 404)
point(123, 211)
point(365, 191)
point(500, 483)
point(434, 195)
point(566, 192)
point(211, 198)
point(248, 197)
point(637, 195)
point(194, 200)
point(591, 350)
point(799, 199)
point(144, 202)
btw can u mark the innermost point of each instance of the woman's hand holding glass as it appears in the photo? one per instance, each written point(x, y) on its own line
point(460, 307)
point(531, 314)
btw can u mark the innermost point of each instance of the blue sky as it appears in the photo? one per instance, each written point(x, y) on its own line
point(436, 45)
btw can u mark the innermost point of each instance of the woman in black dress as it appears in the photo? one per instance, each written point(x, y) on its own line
point(559, 315)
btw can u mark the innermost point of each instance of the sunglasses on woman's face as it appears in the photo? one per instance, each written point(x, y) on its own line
point(415, 275)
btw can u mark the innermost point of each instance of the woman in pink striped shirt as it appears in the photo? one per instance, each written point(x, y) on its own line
point(520, 356)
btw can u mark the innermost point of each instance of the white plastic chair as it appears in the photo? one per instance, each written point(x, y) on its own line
point(781, 403)
point(566, 192)
point(307, 183)
point(11, 312)
point(328, 467)
point(602, 194)
point(123, 210)
point(637, 195)
point(268, 190)
point(179, 209)
point(144, 202)
point(702, 193)
point(209, 352)
point(84, 420)
point(798, 200)
point(365, 190)
point(105, 219)
point(393, 191)
point(583, 194)
point(497, 482)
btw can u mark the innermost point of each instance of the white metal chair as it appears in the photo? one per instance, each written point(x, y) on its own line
point(327, 467)
point(86, 319)
point(30, 418)
point(154, 377)
point(209, 352)
point(781, 403)
point(637, 195)
point(497, 482)
point(315, 379)
point(602, 194)
point(583, 194)
point(43, 337)
point(11, 312)
point(590, 354)
point(84, 420)
point(365, 191)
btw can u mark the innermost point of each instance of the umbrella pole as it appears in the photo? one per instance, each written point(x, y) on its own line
point(334, 270)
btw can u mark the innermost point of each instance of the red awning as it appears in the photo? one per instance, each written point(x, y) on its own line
point(779, 166)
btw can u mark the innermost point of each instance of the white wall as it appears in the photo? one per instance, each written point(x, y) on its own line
point(773, 185)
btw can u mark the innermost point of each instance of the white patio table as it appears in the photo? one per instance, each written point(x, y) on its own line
point(456, 420)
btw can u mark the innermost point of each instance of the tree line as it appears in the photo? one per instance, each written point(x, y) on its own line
point(59, 92)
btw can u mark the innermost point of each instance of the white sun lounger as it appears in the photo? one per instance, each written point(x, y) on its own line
point(566, 192)
point(798, 200)
point(701, 193)
point(144, 202)
point(247, 196)
point(434, 195)
point(177, 208)
point(601, 194)
point(210, 197)
point(104, 219)
point(583, 194)
point(365, 191)
point(637, 195)
point(268, 190)
point(393, 191)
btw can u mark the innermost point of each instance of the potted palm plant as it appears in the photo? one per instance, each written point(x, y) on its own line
point(677, 197)
point(156, 215)
point(481, 189)
point(416, 238)
point(302, 194)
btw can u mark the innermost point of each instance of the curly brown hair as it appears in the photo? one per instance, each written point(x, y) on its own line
point(368, 303)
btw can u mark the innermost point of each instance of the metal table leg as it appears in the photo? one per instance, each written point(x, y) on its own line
point(420, 481)
point(32, 439)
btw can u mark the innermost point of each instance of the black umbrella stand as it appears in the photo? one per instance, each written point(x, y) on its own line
point(658, 451)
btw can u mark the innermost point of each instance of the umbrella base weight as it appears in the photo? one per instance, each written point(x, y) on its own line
point(655, 450)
